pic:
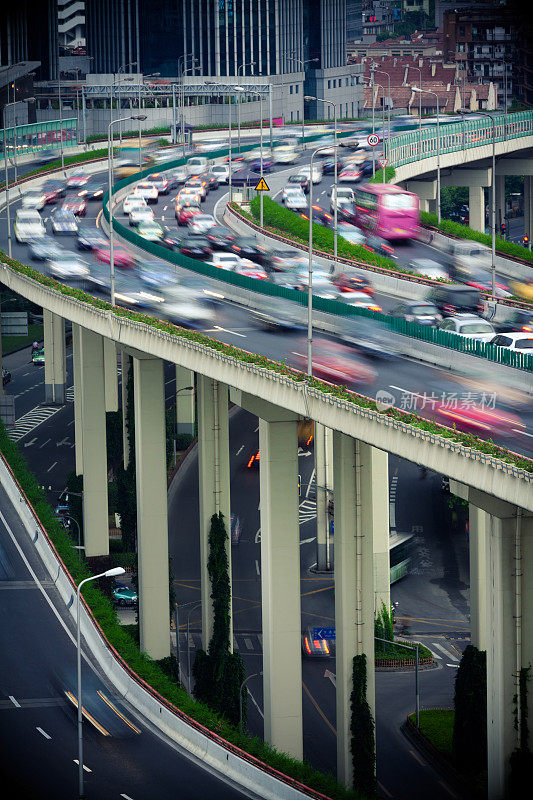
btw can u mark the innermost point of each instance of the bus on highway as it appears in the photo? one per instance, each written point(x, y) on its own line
point(401, 548)
point(387, 211)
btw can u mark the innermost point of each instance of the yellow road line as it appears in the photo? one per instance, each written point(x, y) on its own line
point(321, 713)
point(117, 712)
point(88, 716)
point(385, 791)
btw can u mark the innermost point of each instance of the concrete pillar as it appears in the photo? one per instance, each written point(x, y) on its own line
point(111, 376)
point(476, 205)
point(500, 202)
point(55, 368)
point(78, 396)
point(214, 483)
point(377, 509)
point(324, 561)
point(125, 363)
point(528, 206)
point(509, 640)
point(432, 206)
point(152, 523)
point(353, 464)
point(477, 524)
point(424, 204)
point(184, 401)
point(94, 449)
point(280, 581)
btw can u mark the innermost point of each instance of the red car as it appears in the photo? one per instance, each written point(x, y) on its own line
point(183, 215)
point(251, 270)
point(77, 205)
point(53, 190)
point(478, 419)
point(335, 362)
point(77, 180)
point(121, 257)
point(351, 282)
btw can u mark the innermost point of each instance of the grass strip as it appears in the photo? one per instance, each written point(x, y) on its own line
point(12, 343)
point(436, 724)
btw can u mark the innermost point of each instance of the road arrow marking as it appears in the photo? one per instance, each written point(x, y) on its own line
point(63, 441)
point(306, 541)
point(332, 677)
point(29, 444)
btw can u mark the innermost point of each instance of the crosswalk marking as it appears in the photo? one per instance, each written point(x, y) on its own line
point(248, 643)
point(243, 641)
point(32, 419)
point(447, 653)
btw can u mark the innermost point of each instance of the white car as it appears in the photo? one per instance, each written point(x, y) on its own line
point(296, 201)
point(285, 155)
point(518, 340)
point(147, 190)
point(196, 165)
point(141, 214)
point(290, 188)
point(469, 326)
point(223, 260)
point(341, 195)
point(317, 173)
point(67, 266)
point(34, 200)
point(351, 233)
point(202, 223)
point(28, 225)
point(221, 171)
point(133, 201)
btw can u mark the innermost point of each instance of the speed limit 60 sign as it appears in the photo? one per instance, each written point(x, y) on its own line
point(373, 139)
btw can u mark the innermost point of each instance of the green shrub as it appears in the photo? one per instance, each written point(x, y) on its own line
point(470, 721)
point(390, 173)
point(363, 742)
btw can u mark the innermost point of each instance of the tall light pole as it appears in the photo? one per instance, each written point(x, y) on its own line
point(121, 71)
point(464, 112)
point(241, 687)
point(182, 70)
point(302, 63)
point(419, 107)
point(110, 573)
point(243, 67)
point(382, 71)
point(110, 197)
point(139, 103)
point(335, 211)
point(236, 89)
point(310, 269)
point(8, 207)
point(435, 95)
point(60, 116)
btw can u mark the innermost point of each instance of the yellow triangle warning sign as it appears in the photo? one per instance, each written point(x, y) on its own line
point(262, 186)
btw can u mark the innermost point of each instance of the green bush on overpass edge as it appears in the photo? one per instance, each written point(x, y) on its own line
point(466, 439)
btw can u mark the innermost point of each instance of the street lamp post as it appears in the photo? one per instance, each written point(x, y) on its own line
point(435, 95)
point(110, 196)
point(419, 107)
point(73, 519)
point(302, 63)
point(382, 71)
point(335, 211)
point(245, 681)
point(464, 112)
point(243, 67)
point(382, 122)
point(121, 71)
point(182, 70)
point(139, 103)
point(60, 117)
point(8, 207)
point(183, 389)
point(110, 573)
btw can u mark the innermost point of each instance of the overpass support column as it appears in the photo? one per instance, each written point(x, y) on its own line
point(184, 401)
point(111, 376)
point(354, 468)
point(478, 523)
point(280, 581)
point(55, 369)
point(125, 364)
point(323, 438)
point(378, 511)
point(152, 523)
point(214, 484)
point(94, 447)
point(476, 205)
point(528, 206)
point(78, 394)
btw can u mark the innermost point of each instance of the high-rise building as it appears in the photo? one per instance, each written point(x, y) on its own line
point(354, 20)
point(28, 32)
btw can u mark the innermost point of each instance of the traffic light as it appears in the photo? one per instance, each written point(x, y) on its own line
point(525, 240)
point(503, 228)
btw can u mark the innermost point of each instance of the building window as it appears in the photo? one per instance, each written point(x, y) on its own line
point(334, 84)
point(290, 89)
point(297, 87)
point(329, 84)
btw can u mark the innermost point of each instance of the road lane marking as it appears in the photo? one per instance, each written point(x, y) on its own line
point(254, 701)
point(218, 328)
point(524, 433)
point(447, 653)
point(320, 712)
point(434, 654)
point(307, 541)
point(447, 788)
point(46, 736)
point(126, 797)
point(51, 468)
point(117, 712)
point(311, 479)
point(239, 451)
point(84, 767)
point(248, 643)
point(331, 676)
point(385, 791)
point(15, 703)
point(453, 665)
point(85, 713)
point(417, 758)
point(257, 568)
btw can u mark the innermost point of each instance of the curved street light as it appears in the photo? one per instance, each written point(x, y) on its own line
point(435, 95)
point(243, 67)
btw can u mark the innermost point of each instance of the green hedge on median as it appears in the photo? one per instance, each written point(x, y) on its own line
point(79, 158)
point(464, 232)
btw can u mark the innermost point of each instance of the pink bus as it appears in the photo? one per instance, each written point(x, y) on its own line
point(387, 211)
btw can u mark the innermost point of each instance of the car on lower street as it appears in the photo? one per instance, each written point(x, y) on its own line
point(54, 190)
point(317, 648)
point(6, 376)
point(37, 356)
point(124, 595)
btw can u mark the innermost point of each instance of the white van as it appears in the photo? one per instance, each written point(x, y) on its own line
point(316, 177)
point(197, 164)
point(28, 225)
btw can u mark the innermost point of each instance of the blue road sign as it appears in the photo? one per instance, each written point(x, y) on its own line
point(324, 633)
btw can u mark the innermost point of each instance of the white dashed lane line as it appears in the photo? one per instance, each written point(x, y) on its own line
point(43, 733)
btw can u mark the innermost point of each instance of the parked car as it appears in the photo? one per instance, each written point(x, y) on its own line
point(124, 595)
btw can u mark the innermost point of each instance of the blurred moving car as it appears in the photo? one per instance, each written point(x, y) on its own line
point(420, 311)
point(301, 180)
point(515, 341)
point(187, 305)
point(132, 201)
point(221, 171)
point(140, 214)
point(375, 244)
point(317, 648)
point(351, 233)
point(353, 282)
point(90, 238)
point(350, 174)
point(201, 224)
point(76, 205)
point(28, 225)
point(121, 257)
point(482, 279)
point(68, 266)
point(76, 180)
point(250, 270)
point(335, 362)
point(519, 320)
point(195, 247)
point(63, 221)
point(160, 181)
point(6, 376)
point(360, 300)
point(299, 279)
point(249, 247)
point(455, 298)
point(285, 155)
point(34, 199)
point(468, 325)
point(54, 190)
point(184, 214)
point(150, 230)
point(341, 195)
point(283, 260)
point(220, 238)
point(148, 191)
point(227, 261)
point(37, 356)
point(370, 337)
point(296, 201)
point(94, 188)
point(523, 289)
point(428, 268)
point(43, 248)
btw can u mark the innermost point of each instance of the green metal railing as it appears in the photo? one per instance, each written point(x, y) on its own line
point(456, 136)
point(424, 333)
point(39, 136)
